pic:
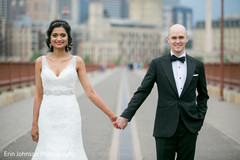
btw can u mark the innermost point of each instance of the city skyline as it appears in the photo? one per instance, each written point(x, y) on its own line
point(199, 8)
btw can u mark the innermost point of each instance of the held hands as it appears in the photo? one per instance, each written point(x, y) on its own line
point(121, 123)
point(113, 120)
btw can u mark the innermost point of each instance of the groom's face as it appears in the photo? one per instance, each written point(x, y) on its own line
point(177, 39)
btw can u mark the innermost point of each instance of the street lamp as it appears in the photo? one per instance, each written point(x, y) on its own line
point(222, 45)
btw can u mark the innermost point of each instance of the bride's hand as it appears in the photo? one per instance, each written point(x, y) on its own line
point(113, 120)
point(35, 133)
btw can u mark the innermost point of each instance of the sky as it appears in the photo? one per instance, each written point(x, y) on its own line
point(199, 8)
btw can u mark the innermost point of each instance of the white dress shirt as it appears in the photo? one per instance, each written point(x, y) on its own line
point(180, 73)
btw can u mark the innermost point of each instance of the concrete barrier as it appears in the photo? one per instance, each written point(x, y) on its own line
point(228, 94)
point(16, 95)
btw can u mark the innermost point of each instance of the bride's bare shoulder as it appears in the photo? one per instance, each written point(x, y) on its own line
point(79, 60)
point(38, 61)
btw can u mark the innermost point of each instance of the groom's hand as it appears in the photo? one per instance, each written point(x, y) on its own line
point(122, 122)
point(113, 120)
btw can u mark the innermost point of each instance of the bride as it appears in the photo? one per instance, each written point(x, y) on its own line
point(56, 122)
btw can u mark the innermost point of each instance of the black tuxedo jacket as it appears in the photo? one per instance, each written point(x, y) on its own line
point(190, 106)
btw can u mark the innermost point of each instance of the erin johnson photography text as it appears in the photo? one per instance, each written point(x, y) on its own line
point(30, 154)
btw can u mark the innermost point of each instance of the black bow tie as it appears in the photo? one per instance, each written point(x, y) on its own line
point(174, 58)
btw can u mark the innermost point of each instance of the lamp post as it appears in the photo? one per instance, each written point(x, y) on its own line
point(222, 48)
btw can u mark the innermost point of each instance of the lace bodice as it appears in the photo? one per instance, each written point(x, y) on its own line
point(64, 84)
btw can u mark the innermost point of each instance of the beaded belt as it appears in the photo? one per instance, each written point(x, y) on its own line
point(58, 92)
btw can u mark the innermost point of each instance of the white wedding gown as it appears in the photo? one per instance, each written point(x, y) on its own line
point(60, 135)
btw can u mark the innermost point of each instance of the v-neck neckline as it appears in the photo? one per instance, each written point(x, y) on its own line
point(61, 70)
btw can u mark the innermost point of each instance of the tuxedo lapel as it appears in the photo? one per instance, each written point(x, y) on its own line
point(167, 67)
point(190, 71)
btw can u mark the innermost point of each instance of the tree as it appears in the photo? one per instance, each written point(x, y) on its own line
point(117, 61)
point(35, 55)
point(86, 59)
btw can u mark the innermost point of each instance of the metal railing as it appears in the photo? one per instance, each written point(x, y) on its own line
point(231, 75)
point(16, 74)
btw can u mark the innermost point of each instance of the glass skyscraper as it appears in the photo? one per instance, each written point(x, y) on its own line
point(5, 9)
point(117, 9)
point(182, 15)
point(83, 7)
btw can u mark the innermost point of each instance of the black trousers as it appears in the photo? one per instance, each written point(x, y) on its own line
point(182, 142)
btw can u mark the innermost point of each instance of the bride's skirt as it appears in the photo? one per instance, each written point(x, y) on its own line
point(60, 135)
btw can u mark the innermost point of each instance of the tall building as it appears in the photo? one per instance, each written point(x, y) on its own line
point(168, 14)
point(6, 29)
point(38, 37)
point(21, 42)
point(65, 9)
point(146, 11)
point(176, 14)
point(9, 40)
point(18, 7)
point(119, 40)
point(231, 40)
point(167, 19)
point(183, 15)
point(137, 42)
point(2, 39)
point(97, 24)
point(83, 8)
point(5, 9)
point(39, 11)
point(125, 41)
point(116, 9)
point(171, 2)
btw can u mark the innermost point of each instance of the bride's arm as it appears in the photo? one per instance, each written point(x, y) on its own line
point(37, 99)
point(91, 94)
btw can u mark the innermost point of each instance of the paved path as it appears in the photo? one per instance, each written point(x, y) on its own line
point(218, 140)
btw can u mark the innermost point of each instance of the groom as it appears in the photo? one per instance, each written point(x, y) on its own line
point(180, 112)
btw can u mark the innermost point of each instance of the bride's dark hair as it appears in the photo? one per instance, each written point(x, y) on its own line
point(65, 25)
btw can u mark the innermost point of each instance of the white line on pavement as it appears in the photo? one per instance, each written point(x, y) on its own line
point(136, 144)
point(14, 139)
point(113, 153)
